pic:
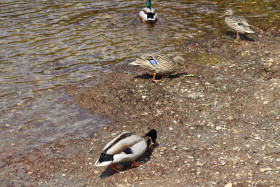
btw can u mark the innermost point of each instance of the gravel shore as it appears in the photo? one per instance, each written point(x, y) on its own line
point(218, 122)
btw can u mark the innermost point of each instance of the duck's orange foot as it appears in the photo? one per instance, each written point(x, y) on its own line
point(143, 20)
point(156, 80)
point(116, 168)
point(134, 164)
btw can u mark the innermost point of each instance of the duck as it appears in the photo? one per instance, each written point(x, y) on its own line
point(148, 14)
point(126, 147)
point(157, 63)
point(237, 23)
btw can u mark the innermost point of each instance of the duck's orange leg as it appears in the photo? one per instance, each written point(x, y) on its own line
point(143, 20)
point(154, 78)
point(116, 168)
point(237, 36)
point(134, 164)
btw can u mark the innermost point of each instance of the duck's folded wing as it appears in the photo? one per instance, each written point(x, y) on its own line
point(240, 21)
point(161, 59)
point(123, 145)
point(116, 140)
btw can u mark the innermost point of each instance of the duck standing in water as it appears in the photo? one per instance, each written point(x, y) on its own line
point(237, 23)
point(126, 147)
point(159, 64)
point(148, 14)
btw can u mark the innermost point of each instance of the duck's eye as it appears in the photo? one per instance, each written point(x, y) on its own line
point(239, 24)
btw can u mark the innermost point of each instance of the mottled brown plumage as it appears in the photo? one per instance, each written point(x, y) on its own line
point(237, 23)
point(159, 64)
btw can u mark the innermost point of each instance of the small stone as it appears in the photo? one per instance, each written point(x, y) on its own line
point(218, 128)
point(30, 172)
point(96, 172)
point(265, 169)
point(7, 125)
point(170, 128)
point(174, 148)
point(228, 185)
point(199, 164)
point(179, 169)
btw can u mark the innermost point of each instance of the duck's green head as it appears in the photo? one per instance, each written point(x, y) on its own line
point(148, 3)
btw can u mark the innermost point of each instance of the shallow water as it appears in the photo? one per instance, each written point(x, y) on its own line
point(45, 45)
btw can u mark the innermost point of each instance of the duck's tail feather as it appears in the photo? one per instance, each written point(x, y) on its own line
point(135, 63)
point(104, 160)
point(250, 31)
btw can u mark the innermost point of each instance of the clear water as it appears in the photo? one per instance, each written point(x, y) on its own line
point(45, 45)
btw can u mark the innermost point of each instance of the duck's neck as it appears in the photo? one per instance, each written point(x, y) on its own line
point(148, 3)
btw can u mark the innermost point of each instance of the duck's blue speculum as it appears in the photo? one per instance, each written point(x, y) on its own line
point(153, 62)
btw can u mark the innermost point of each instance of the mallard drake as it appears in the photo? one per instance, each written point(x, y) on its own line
point(159, 64)
point(125, 147)
point(148, 14)
point(237, 23)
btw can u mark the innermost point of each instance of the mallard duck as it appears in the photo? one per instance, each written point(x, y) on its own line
point(125, 147)
point(159, 64)
point(237, 23)
point(148, 14)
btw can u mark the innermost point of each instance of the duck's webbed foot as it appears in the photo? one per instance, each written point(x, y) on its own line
point(154, 78)
point(116, 168)
point(134, 164)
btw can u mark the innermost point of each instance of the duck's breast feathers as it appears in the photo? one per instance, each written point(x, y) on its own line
point(122, 143)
